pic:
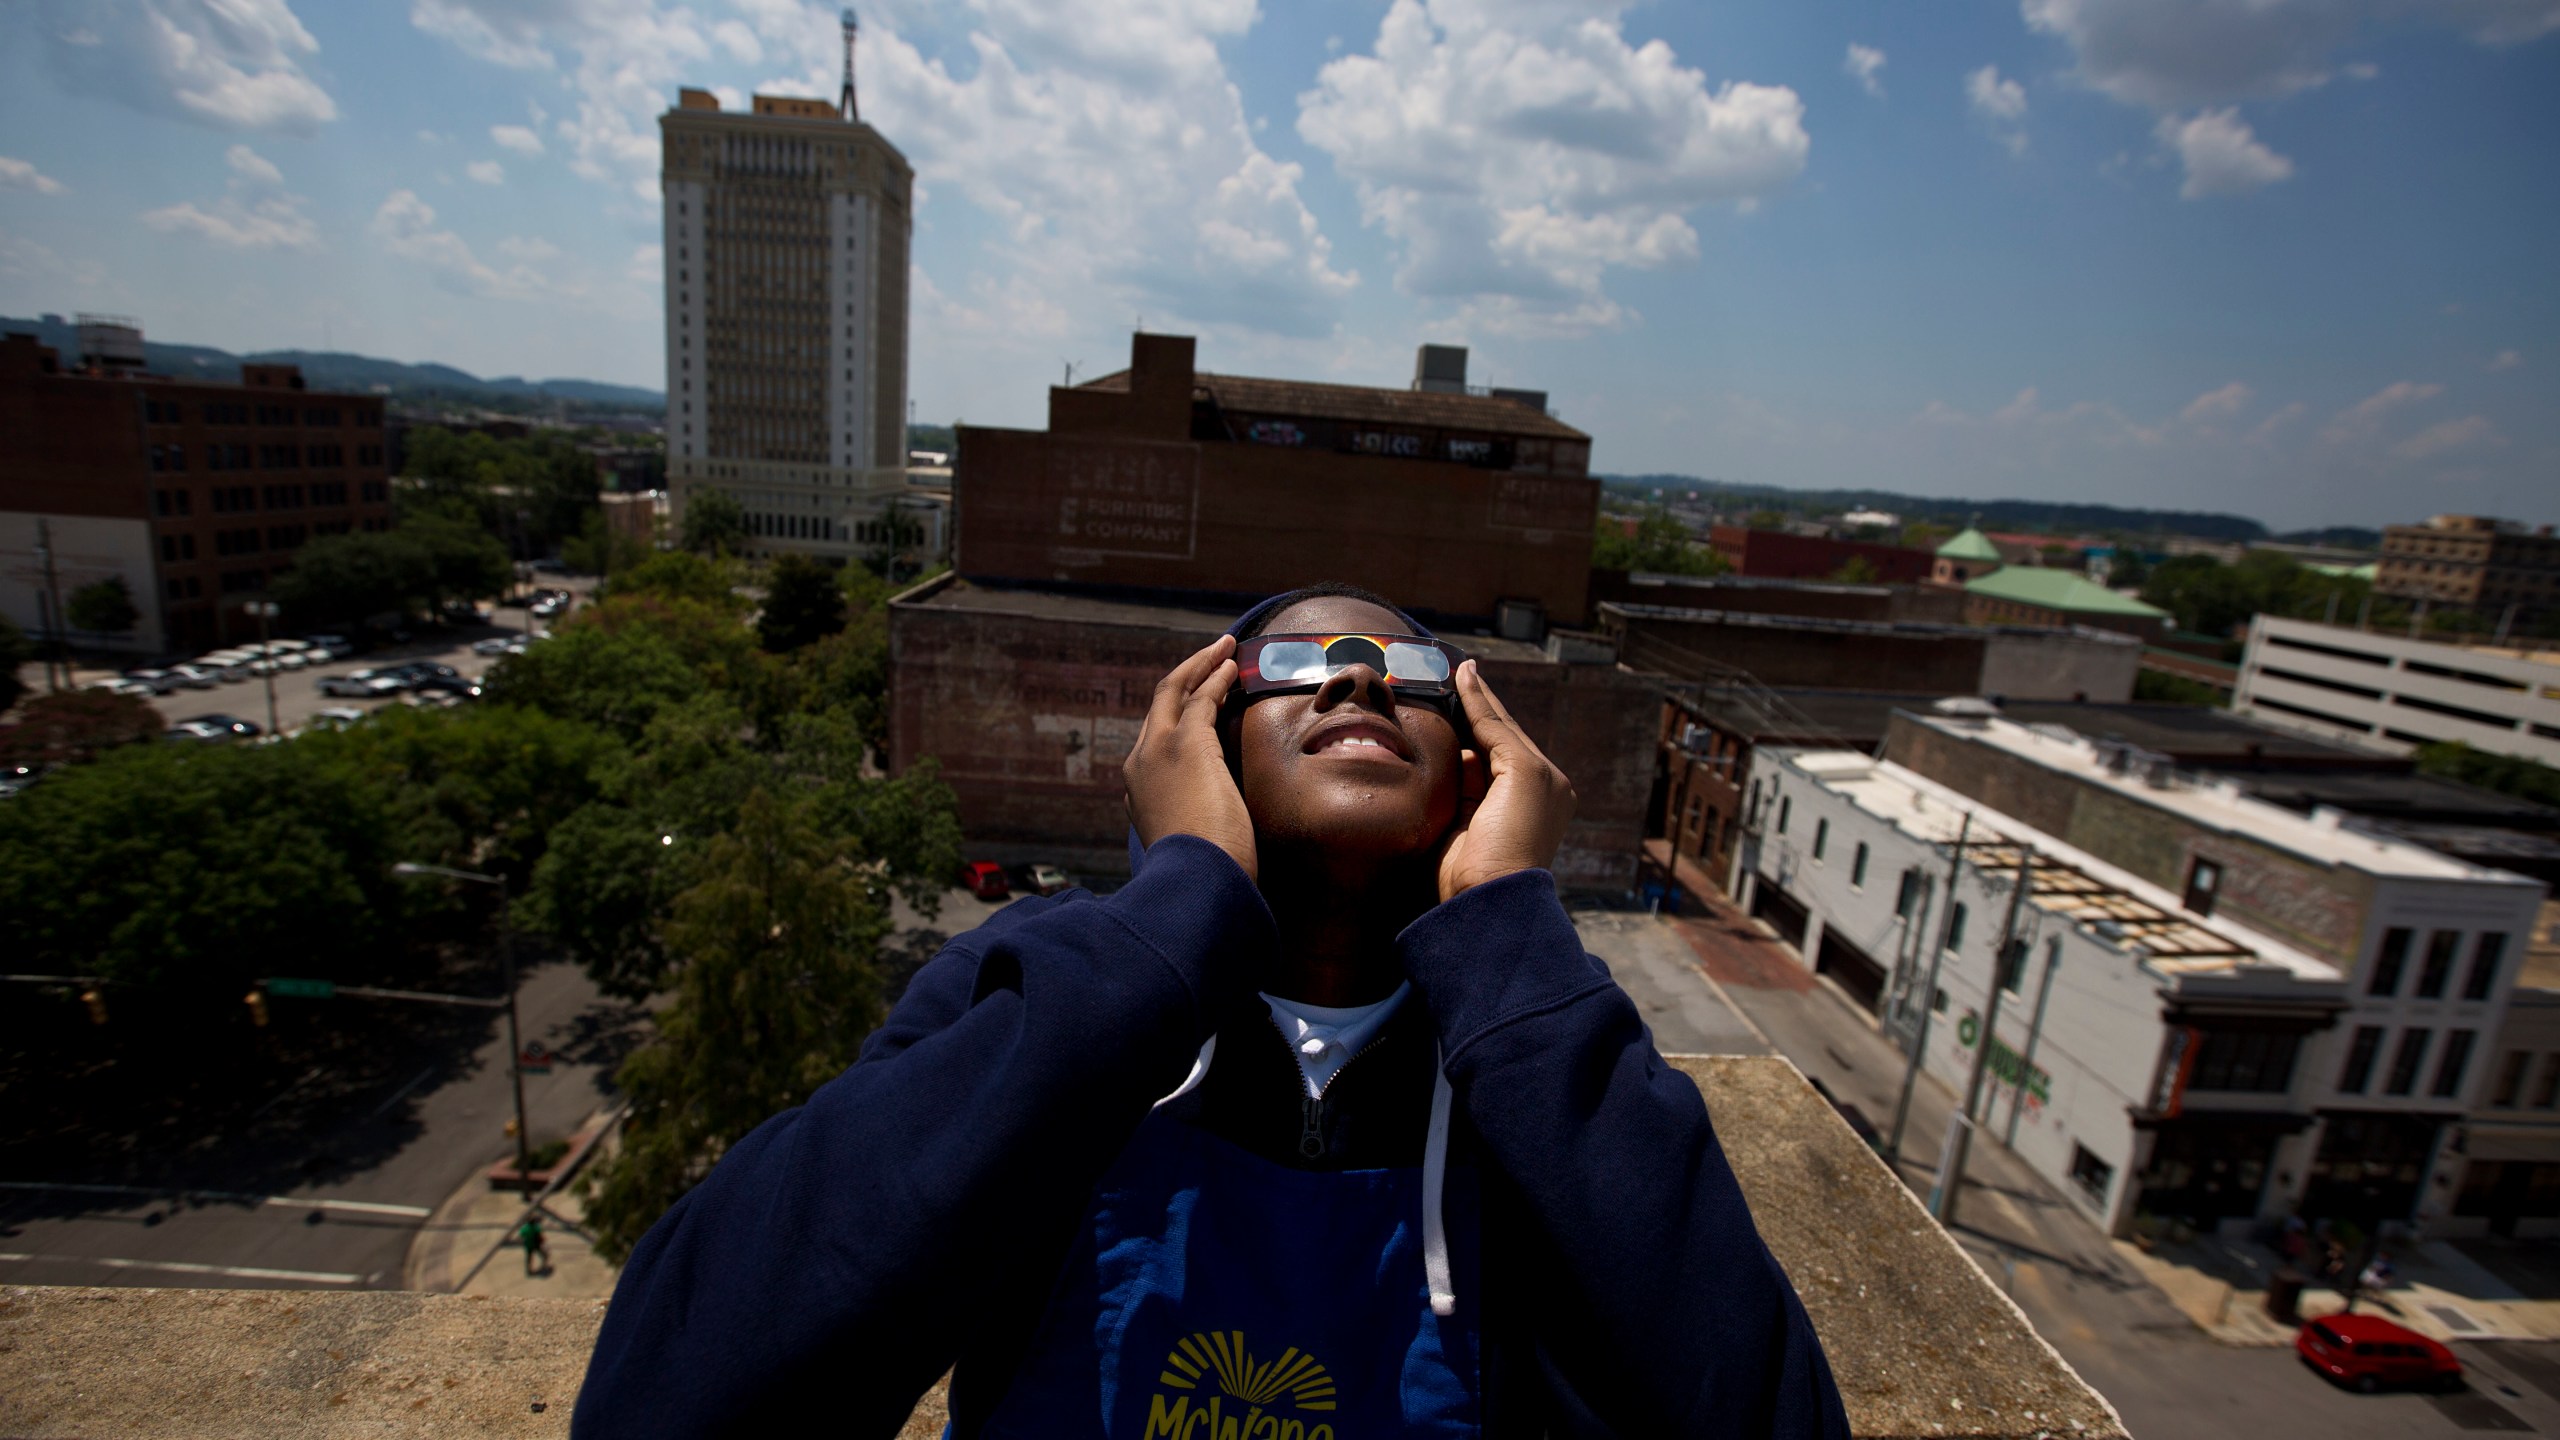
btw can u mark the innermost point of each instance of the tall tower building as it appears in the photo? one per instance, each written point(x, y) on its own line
point(786, 274)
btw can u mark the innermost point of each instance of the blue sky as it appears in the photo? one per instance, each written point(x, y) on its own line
point(2292, 258)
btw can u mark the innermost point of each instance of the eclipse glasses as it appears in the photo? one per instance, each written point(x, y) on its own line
point(1415, 668)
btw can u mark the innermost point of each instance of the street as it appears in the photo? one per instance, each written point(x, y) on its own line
point(195, 1224)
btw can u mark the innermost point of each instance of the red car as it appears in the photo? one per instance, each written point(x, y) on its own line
point(2369, 1352)
point(984, 879)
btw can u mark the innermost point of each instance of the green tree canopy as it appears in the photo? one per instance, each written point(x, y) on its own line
point(682, 575)
point(534, 492)
point(778, 985)
point(1660, 545)
point(2506, 774)
point(105, 606)
point(2211, 598)
point(463, 562)
point(76, 725)
point(351, 578)
point(714, 521)
point(802, 604)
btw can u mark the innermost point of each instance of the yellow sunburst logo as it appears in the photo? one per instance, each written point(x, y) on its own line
point(1218, 1360)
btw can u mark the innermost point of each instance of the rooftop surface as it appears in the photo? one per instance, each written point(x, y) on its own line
point(1970, 545)
point(1197, 616)
point(1919, 1341)
point(1865, 627)
point(2220, 805)
point(1374, 404)
point(2541, 661)
point(2118, 907)
point(2191, 734)
point(2059, 590)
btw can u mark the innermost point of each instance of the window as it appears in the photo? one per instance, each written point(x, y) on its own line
point(2250, 1060)
point(1914, 896)
point(279, 457)
point(1955, 926)
point(1858, 868)
point(2091, 1174)
point(2013, 966)
point(2388, 962)
point(2360, 1055)
point(2546, 1091)
point(2457, 1059)
point(2204, 881)
point(225, 413)
point(1821, 837)
point(375, 491)
point(1786, 807)
point(2438, 970)
point(320, 419)
point(275, 414)
point(2486, 952)
point(2406, 1060)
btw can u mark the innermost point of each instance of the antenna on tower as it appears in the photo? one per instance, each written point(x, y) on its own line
point(845, 104)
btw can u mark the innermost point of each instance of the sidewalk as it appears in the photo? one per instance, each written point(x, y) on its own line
point(2438, 1290)
point(476, 1217)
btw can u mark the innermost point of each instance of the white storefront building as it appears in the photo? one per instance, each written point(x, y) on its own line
point(2285, 1012)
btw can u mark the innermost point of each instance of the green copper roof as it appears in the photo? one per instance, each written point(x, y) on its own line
point(2058, 590)
point(1970, 546)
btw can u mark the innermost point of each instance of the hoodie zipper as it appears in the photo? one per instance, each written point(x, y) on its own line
point(1311, 1112)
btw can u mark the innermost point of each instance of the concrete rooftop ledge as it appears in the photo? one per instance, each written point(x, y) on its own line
point(1920, 1341)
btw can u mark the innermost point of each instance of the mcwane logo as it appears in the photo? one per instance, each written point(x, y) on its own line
point(1249, 1398)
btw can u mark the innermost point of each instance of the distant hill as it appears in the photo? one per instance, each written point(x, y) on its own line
point(2048, 516)
point(337, 370)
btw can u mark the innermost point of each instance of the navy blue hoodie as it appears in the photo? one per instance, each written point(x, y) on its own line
point(914, 1215)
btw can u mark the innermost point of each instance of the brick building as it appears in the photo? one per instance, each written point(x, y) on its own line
point(1778, 555)
point(195, 493)
point(1029, 700)
point(2472, 562)
point(1163, 477)
point(1781, 650)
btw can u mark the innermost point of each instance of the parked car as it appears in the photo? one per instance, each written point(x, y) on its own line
point(362, 685)
point(160, 682)
point(494, 645)
point(233, 725)
point(335, 717)
point(196, 677)
point(984, 879)
point(2369, 1352)
point(1043, 878)
point(122, 686)
point(461, 687)
point(225, 664)
point(339, 647)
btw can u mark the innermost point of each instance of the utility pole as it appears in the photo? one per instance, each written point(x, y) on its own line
point(408, 869)
point(53, 611)
point(1928, 992)
point(1951, 1179)
point(265, 610)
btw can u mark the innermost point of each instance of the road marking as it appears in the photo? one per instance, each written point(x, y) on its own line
point(183, 1267)
point(284, 1202)
point(399, 1095)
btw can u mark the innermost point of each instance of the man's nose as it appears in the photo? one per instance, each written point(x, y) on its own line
point(1356, 684)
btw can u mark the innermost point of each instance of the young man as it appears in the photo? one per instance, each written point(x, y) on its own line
point(1323, 1127)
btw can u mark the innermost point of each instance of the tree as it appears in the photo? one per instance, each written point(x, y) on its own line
point(801, 604)
point(351, 578)
point(76, 725)
point(714, 521)
point(1859, 571)
point(463, 562)
point(1660, 545)
point(104, 606)
point(681, 575)
point(2167, 689)
point(599, 549)
point(778, 983)
point(15, 650)
point(2506, 774)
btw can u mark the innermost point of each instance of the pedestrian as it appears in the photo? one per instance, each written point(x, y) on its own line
point(1325, 1124)
point(537, 1254)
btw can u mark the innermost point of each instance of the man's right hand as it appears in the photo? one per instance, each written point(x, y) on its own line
point(1177, 771)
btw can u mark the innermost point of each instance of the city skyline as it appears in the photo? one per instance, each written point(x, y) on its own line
point(2276, 259)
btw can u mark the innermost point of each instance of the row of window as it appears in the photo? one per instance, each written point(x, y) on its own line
point(240, 499)
point(2435, 972)
point(2509, 1093)
point(2408, 1060)
point(237, 412)
point(268, 457)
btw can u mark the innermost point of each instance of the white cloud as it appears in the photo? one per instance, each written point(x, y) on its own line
point(2216, 405)
point(2221, 153)
point(522, 139)
point(1517, 150)
point(738, 40)
point(1865, 64)
point(648, 266)
point(2505, 360)
point(252, 167)
point(406, 227)
point(31, 269)
point(486, 172)
point(255, 213)
point(2469, 432)
point(532, 249)
point(22, 175)
point(2363, 420)
point(231, 64)
point(2001, 105)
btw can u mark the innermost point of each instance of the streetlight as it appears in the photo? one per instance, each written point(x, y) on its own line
point(265, 610)
point(411, 870)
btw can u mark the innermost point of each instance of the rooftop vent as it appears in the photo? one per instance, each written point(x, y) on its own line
point(1441, 369)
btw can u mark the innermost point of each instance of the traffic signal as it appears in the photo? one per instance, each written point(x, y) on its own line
point(257, 1007)
point(97, 1004)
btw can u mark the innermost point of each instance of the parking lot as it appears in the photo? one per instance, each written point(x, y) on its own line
point(298, 696)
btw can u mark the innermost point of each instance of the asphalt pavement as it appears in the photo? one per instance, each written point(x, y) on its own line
point(192, 1225)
